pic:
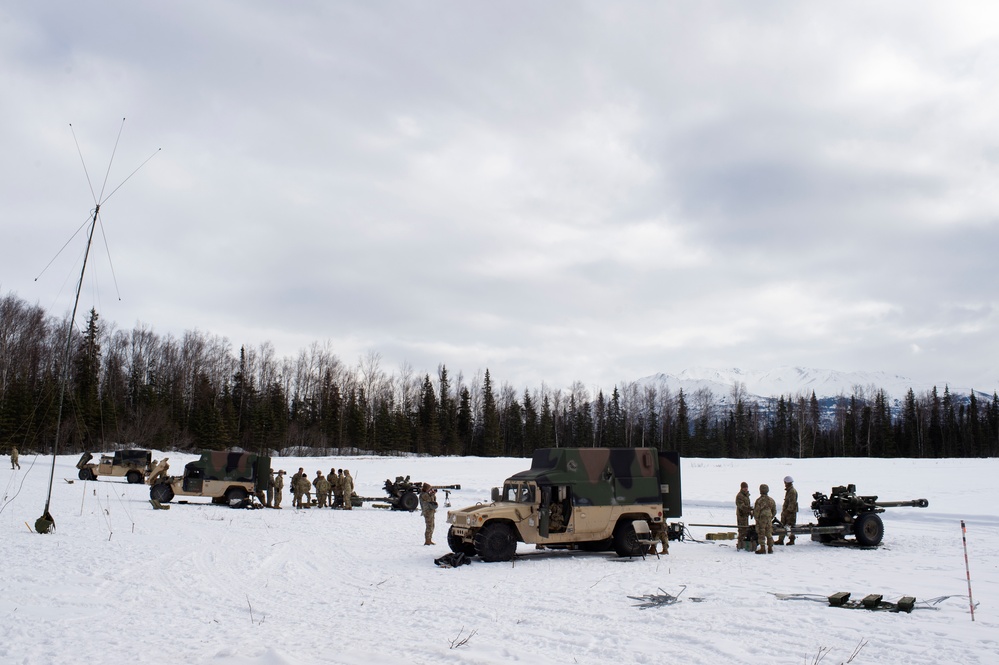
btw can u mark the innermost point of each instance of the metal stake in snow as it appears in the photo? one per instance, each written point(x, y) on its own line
point(967, 570)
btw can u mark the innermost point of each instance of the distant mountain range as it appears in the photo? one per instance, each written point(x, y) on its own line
point(760, 385)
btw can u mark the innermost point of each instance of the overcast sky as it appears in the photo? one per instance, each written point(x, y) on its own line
point(554, 191)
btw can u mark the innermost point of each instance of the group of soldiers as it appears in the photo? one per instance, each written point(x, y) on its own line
point(763, 512)
point(332, 491)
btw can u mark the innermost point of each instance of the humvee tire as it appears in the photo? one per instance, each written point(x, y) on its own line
point(409, 501)
point(626, 540)
point(458, 546)
point(496, 542)
point(161, 492)
point(235, 494)
point(869, 529)
point(86, 474)
point(134, 477)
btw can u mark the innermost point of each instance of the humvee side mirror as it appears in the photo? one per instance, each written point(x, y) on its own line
point(496, 494)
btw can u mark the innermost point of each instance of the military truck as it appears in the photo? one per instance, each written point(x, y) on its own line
point(134, 465)
point(227, 477)
point(574, 498)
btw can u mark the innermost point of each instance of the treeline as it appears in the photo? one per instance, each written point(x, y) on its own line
point(141, 389)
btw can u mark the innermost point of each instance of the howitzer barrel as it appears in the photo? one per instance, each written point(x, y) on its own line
point(445, 487)
point(915, 503)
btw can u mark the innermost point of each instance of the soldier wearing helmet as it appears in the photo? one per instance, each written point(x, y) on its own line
point(788, 510)
point(428, 508)
point(743, 511)
point(763, 512)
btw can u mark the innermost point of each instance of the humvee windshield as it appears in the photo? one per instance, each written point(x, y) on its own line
point(518, 493)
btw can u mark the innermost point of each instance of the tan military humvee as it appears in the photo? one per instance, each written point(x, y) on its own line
point(134, 465)
point(225, 477)
point(585, 498)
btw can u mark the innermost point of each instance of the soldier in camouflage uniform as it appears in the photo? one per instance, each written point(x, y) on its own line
point(269, 502)
point(347, 489)
point(743, 511)
point(788, 510)
point(306, 490)
point(332, 482)
point(428, 507)
point(322, 489)
point(337, 482)
point(278, 488)
point(763, 512)
point(13, 458)
point(296, 488)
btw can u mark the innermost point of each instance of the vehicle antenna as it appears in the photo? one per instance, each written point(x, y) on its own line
point(46, 523)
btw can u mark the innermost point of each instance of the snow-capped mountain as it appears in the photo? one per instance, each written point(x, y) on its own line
point(793, 381)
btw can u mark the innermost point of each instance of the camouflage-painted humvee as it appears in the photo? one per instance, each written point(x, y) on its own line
point(585, 498)
point(226, 477)
point(133, 464)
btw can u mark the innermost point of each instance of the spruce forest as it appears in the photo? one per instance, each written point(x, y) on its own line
point(139, 389)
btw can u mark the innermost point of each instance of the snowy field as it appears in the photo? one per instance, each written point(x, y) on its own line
point(119, 582)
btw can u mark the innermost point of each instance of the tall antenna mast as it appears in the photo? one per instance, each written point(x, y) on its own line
point(46, 523)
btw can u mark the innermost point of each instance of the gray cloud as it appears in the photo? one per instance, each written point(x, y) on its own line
point(558, 192)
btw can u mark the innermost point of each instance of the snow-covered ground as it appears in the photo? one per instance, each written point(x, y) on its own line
point(119, 582)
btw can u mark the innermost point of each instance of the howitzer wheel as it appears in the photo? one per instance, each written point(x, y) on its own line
point(161, 492)
point(496, 542)
point(459, 546)
point(409, 501)
point(869, 529)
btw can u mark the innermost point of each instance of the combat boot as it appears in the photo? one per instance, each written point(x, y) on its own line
point(761, 550)
point(790, 539)
point(770, 549)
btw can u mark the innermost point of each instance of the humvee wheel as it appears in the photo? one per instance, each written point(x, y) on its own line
point(626, 540)
point(409, 501)
point(235, 494)
point(86, 474)
point(496, 542)
point(133, 477)
point(161, 492)
point(457, 545)
point(869, 529)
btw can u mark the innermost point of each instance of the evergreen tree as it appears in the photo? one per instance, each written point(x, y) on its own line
point(532, 426)
point(86, 380)
point(492, 445)
point(466, 422)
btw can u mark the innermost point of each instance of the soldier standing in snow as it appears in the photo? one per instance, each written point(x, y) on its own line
point(306, 490)
point(13, 458)
point(322, 489)
point(278, 488)
point(347, 489)
point(296, 488)
point(270, 490)
point(763, 512)
point(743, 511)
point(428, 507)
point(338, 490)
point(332, 481)
point(789, 510)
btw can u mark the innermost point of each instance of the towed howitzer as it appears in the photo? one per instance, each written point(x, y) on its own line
point(841, 514)
point(403, 494)
point(844, 512)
